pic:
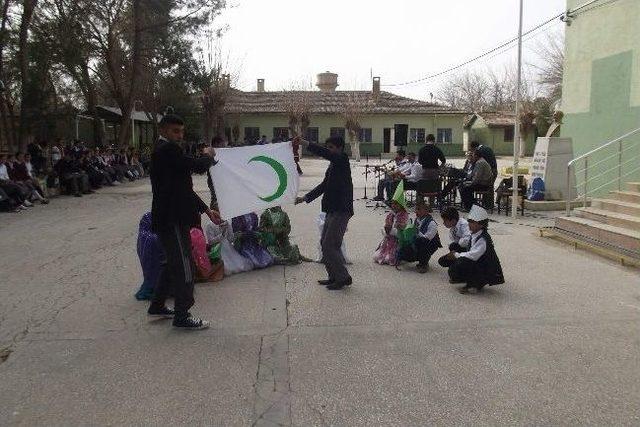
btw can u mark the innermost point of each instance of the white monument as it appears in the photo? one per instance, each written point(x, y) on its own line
point(550, 160)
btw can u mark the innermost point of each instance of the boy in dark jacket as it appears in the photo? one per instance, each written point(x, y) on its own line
point(175, 209)
point(337, 202)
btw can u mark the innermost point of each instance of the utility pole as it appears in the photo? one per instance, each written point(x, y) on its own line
point(516, 134)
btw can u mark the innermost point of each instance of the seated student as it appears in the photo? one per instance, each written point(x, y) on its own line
point(72, 176)
point(17, 199)
point(247, 241)
point(20, 174)
point(479, 265)
point(481, 179)
point(426, 241)
point(150, 255)
point(396, 220)
point(459, 233)
point(275, 227)
point(222, 234)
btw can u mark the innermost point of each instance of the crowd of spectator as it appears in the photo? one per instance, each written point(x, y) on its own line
point(74, 169)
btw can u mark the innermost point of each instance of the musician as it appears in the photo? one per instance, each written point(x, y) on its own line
point(391, 178)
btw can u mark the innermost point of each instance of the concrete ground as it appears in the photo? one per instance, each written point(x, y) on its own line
point(558, 344)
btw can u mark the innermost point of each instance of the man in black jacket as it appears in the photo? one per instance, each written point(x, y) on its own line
point(431, 158)
point(175, 209)
point(337, 202)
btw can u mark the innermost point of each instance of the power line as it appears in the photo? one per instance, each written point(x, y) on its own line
point(489, 52)
point(568, 13)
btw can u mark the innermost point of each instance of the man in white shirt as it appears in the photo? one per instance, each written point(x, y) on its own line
point(390, 180)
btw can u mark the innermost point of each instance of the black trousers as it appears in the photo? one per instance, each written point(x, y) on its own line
point(177, 270)
point(444, 261)
point(13, 192)
point(424, 250)
point(466, 194)
point(77, 182)
point(464, 270)
point(335, 225)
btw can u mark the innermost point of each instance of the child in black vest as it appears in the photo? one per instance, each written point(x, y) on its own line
point(479, 266)
point(426, 242)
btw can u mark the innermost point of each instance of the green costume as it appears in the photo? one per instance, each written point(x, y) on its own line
point(275, 228)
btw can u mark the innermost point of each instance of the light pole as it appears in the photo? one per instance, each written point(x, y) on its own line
point(516, 134)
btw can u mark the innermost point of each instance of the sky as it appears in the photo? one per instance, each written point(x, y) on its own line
point(288, 42)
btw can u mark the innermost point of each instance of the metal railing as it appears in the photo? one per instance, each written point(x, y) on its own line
point(610, 163)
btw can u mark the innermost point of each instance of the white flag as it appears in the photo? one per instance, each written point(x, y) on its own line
point(254, 178)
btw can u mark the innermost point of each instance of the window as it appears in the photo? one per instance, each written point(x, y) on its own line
point(312, 134)
point(509, 133)
point(251, 134)
point(280, 134)
point(417, 135)
point(445, 136)
point(364, 135)
point(337, 132)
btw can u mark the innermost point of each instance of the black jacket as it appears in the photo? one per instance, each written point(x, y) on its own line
point(487, 153)
point(429, 155)
point(174, 201)
point(337, 187)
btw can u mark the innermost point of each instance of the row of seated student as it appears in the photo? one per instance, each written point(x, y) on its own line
point(75, 170)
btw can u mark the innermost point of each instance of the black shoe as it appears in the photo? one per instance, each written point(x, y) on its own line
point(77, 195)
point(326, 282)
point(336, 286)
point(162, 312)
point(190, 323)
point(378, 199)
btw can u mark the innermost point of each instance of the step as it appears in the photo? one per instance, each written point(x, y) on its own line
point(626, 196)
point(608, 217)
point(609, 235)
point(633, 186)
point(617, 206)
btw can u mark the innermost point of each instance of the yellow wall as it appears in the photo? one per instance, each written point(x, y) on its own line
point(377, 123)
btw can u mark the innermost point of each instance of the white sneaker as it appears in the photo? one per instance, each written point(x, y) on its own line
point(28, 204)
point(116, 182)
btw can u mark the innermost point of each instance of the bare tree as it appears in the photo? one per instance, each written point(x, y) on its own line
point(550, 69)
point(352, 114)
point(467, 91)
point(298, 108)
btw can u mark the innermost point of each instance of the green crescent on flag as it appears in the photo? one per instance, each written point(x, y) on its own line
point(254, 178)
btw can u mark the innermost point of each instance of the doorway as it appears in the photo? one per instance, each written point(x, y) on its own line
point(386, 140)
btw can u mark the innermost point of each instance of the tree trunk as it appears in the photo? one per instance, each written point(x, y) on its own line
point(23, 64)
point(8, 124)
point(126, 106)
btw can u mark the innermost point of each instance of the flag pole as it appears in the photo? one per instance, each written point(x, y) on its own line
point(516, 134)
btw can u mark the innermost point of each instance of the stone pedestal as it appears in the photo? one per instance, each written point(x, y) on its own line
point(550, 160)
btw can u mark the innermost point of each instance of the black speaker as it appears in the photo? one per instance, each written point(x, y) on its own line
point(401, 135)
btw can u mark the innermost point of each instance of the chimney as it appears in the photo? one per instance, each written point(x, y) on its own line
point(327, 81)
point(260, 85)
point(376, 89)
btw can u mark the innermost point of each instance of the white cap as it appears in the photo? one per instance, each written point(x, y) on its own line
point(477, 214)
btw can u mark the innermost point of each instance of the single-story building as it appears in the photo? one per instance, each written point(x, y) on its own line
point(111, 121)
point(496, 129)
point(249, 115)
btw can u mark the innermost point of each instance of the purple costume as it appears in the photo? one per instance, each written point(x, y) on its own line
point(151, 255)
point(247, 242)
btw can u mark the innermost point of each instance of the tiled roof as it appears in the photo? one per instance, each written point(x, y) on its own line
point(331, 103)
point(138, 116)
point(494, 118)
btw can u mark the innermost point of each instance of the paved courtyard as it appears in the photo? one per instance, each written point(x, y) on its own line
point(558, 344)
